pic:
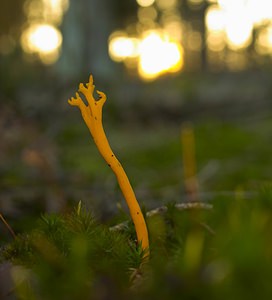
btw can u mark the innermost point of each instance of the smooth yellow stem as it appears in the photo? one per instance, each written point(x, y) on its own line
point(92, 115)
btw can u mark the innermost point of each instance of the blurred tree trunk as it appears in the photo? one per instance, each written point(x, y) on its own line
point(204, 65)
point(86, 28)
point(99, 27)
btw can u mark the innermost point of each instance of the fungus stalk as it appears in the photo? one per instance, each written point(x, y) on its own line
point(92, 115)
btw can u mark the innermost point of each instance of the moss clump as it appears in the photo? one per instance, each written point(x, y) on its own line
point(195, 254)
point(71, 257)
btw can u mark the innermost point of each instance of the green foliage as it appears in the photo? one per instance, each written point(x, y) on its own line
point(71, 257)
point(220, 254)
point(224, 254)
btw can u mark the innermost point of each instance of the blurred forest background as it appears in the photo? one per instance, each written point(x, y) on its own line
point(163, 64)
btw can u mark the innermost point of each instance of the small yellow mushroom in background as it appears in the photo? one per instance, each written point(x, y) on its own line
point(92, 115)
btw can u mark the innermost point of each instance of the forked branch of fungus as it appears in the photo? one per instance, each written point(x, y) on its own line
point(92, 115)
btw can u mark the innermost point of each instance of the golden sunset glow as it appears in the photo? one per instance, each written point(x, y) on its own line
point(122, 47)
point(264, 41)
point(215, 18)
point(145, 3)
point(166, 4)
point(42, 36)
point(154, 51)
point(232, 22)
point(42, 39)
point(154, 46)
point(158, 55)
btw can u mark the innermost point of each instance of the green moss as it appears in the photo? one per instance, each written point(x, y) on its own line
point(220, 254)
point(65, 251)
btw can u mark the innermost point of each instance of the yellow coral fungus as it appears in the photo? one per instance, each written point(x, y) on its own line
point(92, 115)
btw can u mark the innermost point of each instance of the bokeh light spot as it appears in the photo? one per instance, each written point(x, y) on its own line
point(215, 19)
point(238, 31)
point(43, 39)
point(158, 55)
point(264, 41)
point(122, 47)
point(145, 3)
point(166, 4)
